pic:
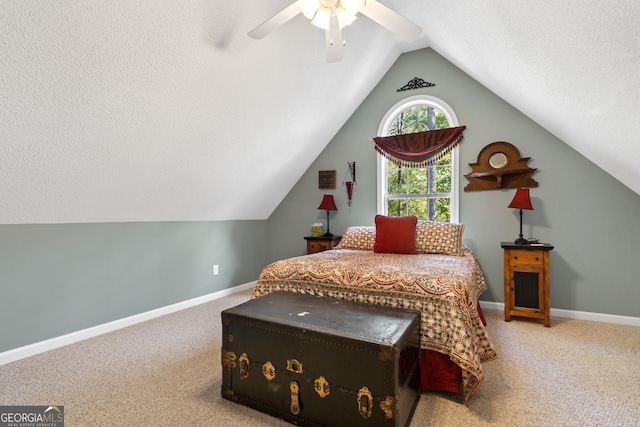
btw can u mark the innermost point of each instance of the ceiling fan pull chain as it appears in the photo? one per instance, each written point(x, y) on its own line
point(334, 12)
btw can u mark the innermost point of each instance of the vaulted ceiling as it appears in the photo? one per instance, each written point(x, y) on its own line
point(157, 110)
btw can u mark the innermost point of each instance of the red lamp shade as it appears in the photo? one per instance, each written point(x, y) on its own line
point(327, 203)
point(521, 200)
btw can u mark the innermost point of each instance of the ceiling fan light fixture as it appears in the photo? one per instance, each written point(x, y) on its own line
point(320, 12)
point(309, 7)
point(322, 18)
point(352, 7)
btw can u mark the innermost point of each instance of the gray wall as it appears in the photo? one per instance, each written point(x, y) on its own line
point(592, 219)
point(61, 278)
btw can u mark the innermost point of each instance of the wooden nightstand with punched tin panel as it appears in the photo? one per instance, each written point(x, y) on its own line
point(526, 281)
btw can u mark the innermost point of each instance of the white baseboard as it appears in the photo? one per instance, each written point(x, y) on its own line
point(578, 315)
point(53, 343)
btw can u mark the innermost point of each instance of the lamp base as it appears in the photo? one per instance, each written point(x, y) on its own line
point(327, 234)
point(521, 241)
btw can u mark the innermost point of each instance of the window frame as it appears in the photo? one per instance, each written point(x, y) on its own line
point(412, 101)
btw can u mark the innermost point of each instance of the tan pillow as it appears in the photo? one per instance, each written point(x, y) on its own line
point(439, 238)
point(360, 237)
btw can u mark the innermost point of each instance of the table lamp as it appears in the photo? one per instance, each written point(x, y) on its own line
point(521, 201)
point(329, 205)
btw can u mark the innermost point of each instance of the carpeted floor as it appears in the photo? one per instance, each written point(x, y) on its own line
point(166, 372)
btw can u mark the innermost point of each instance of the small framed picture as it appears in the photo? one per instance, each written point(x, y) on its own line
point(327, 179)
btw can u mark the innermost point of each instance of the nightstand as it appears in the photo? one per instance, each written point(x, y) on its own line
point(526, 281)
point(319, 244)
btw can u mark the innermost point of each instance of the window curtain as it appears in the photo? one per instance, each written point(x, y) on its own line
point(420, 148)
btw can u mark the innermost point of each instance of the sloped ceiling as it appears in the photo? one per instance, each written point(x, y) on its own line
point(157, 110)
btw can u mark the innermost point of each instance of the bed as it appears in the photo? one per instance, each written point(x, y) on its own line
point(421, 267)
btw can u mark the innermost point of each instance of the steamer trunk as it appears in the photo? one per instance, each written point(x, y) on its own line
point(322, 362)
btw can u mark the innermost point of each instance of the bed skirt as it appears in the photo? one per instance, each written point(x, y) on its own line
point(438, 372)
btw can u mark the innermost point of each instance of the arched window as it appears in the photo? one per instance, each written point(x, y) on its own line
point(429, 192)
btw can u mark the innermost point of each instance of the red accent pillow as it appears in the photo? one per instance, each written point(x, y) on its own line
point(395, 234)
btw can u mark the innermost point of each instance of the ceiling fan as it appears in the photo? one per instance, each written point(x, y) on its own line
point(334, 15)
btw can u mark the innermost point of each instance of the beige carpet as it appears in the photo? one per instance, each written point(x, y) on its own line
point(166, 372)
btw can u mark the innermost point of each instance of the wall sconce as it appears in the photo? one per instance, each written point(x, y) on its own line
point(351, 172)
point(328, 204)
point(521, 201)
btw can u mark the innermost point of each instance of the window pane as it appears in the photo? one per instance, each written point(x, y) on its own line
point(418, 181)
point(396, 207)
point(397, 181)
point(418, 207)
point(443, 179)
point(443, 209)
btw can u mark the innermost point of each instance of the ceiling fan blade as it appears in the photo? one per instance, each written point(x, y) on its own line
point(275, 21)
point(333, 39)
point(391, 20)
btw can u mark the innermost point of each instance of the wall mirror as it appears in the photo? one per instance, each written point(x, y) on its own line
point(498, 160)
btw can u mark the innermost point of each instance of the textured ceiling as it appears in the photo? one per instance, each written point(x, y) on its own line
point(156, 110)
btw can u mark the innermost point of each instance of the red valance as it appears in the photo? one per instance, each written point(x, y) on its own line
point(420, 148)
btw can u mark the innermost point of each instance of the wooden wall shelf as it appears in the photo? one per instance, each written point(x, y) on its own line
point(500, 165)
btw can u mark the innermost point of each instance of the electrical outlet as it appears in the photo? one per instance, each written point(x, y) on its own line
point(215, 269)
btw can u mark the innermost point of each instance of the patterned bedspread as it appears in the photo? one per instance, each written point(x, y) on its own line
point(443, 288)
